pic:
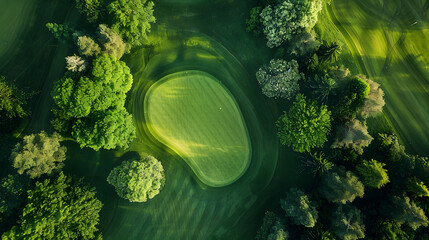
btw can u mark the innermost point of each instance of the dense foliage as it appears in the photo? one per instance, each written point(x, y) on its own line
point(373, 173)
point(305, 126)
point(58, 209)
point(346, 223)
point(299, 208)
point(138, 180)
point(12, 101)
point(13, 189)
point(39, 154)
point(132, 19)
point(280, 79)
point(91, 8)
point(287, 18)
point(341, 186)
point(352, 135)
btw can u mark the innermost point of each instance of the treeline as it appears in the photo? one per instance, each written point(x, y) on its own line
point(363, 186)
point(39, 201)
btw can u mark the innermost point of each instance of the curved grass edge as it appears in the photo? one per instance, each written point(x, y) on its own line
point(182, 155)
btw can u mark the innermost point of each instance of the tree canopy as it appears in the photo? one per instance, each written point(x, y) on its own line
point(132, 19)
point(280, 79)
point(13, 191)
point(352, 135)
point(58, 209)
point(346, 223)
point(417, 187)
point(373, 173)
point(341, 186)
point(138, 180)
point(299, 208)
point(374, 102)
point(108, 130)
point(287, 18)
point(11, 101)
point(405, 211)
point(305, 126)
point(39, 154)
point(91, 8)
point(272, 228)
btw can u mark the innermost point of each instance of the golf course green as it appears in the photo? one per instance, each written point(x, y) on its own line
point(197, 117)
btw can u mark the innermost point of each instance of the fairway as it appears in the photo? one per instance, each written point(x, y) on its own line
point(192, 113)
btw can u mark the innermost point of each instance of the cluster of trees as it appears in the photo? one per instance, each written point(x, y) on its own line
point(13, 102)
point(365, 186)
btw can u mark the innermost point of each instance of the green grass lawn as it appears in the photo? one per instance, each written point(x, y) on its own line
point(192, 113)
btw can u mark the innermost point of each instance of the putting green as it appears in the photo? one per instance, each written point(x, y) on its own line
point(193, 114)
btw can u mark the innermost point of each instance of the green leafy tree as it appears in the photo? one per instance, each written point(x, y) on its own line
point(132, 19)
point(253, 23)
point(280, 79)
point(91, 8)
point(405, 211)
point(346, 223)
point(12, 101)
point(62, 32)
point(272, 228)
point(341, 186)
point(138, 180)
point(353, 98)
point(110, 42)
point(373, 173)
point(287, 18)
point(389, 230)
point(322, 87)
point(278, 232)
point(58, 209)
point(299, 208)
point(374, 102)
point(39, 154)
point(108, 130)
point(352, 135)
point(305, 126)
point(417, 187)
point(88, 47)
point(316, 163)
point(13, 190)
point(328, 52)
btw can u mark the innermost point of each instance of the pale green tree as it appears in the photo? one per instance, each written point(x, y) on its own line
point(299, 208)
point(138, 180)
point(341, 186)
point(352, 135)
point(346, 223)
point(373, 173)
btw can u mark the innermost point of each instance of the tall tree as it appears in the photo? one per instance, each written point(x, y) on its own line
point(341, 186)
point(138, 180)
point(287, 18)
point(417, 187)
point(373, 173)
point(280, 79)
point(108, 130)
point(305, 126)
point(328, 52)
point(12, 101)
point(91, 8)
point(132, 19)
point(374, 102)
point(404, 211)
point(58, 209)
point(353, 97)
point(353, 135)
point(13, 191)
point(299, 208)
point(110, 42)
point(39, 154)
point(272, 228)
point(87, 46)
point(346, 223)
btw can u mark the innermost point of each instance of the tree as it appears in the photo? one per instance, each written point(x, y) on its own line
point(374, 102)
point(12, 101)
point(58, 209)
point(39, 154)
point(280, 79)
point(108, 130)
point(91, 8)
point(353, 98)
point(346, 223)
point(353, 135)
point(299, 208)
point(132, 19)
point(111, 42)
point(62, 32)
point(316, 163)
point(388, 230)
point(322, 87)
point(272, 228)
point(341, 186)
point(75, 63)
point(328, 52)
point(417, 187)
point(305, 126)
point(138, 180)
point(373, 173)
point(88, 47)
point(253, 23)
point(289, 17)
point(13, 189)
point(405, 211)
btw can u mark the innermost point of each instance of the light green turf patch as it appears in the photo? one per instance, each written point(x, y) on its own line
point(192, 113)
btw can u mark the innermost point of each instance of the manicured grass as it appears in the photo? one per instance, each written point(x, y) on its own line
point(192, 113)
